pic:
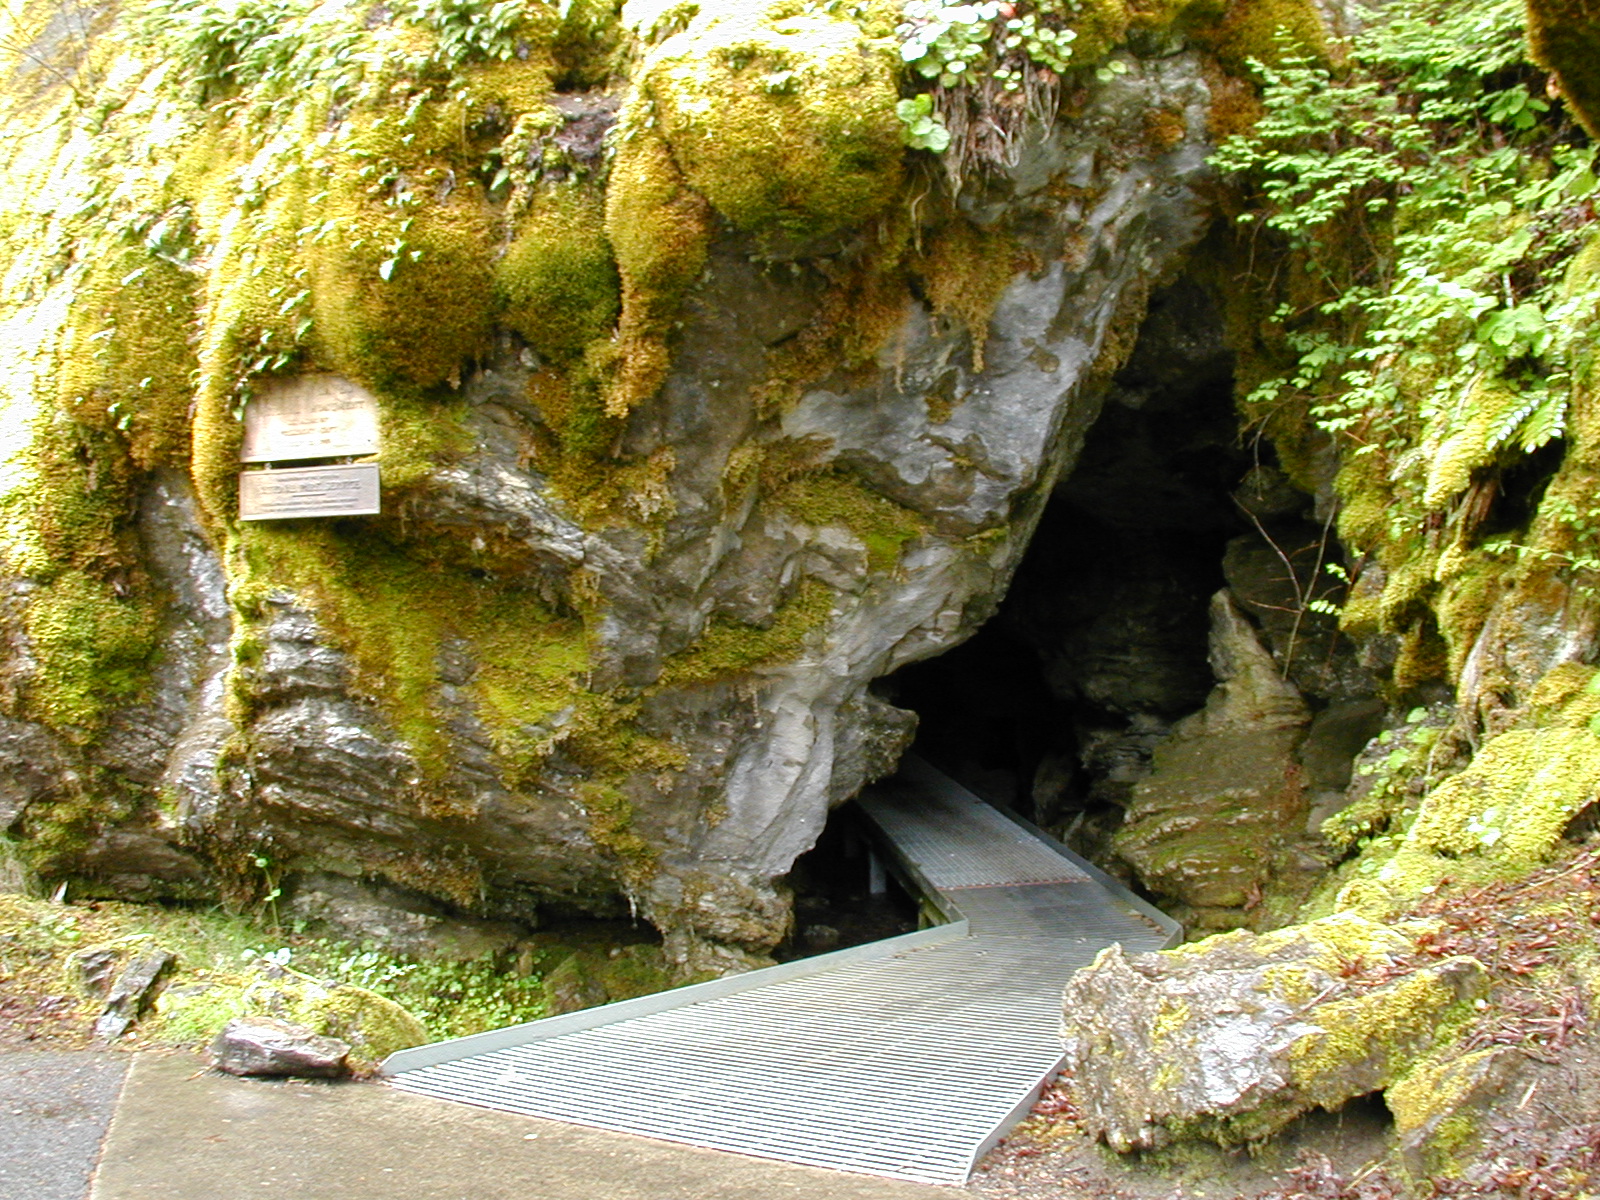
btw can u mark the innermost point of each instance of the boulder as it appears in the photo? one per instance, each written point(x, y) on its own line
point(92, 969)
point(371, 1026)
point(265, 1046)
point(1231, 1038)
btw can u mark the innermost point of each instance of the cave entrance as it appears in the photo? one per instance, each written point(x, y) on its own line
point(1055, 707)
point(1052, 708)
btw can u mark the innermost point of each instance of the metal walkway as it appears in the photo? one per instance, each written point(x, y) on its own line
point(908, 1057)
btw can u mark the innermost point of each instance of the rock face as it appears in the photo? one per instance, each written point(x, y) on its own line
point(1232, 1038)
point(528, 689)
point(1226, 791)
point(266, 1047)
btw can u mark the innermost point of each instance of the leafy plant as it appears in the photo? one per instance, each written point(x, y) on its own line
point(925, 129)
point(1434, 201)
point(991, 64)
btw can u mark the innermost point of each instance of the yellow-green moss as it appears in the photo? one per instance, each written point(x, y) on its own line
point(590, 46)
point(833, 498)
point(557, 282)
point(126, 362)
point(1516, 798)
point(1474, 584)
point(1429, 1095)
point(92, 648)
point(659, 229)
point(402, 293)
point(393, 614)
point(1387, 1027)
point(728, 648)
point(785, 123)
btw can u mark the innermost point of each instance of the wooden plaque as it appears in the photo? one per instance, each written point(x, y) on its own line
point(309, 416)
point(348, 491)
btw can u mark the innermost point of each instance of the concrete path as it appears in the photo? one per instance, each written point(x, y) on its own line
point(54, 1106)
point(182, 1134)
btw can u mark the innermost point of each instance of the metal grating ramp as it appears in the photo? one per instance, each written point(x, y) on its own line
point(906, 1058)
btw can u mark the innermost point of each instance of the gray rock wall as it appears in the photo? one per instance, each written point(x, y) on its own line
point(286, 750)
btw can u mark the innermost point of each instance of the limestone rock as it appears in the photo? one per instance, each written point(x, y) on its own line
point(1225, 788)
point(92, 969)
point(1231, 1038)
point(132, 992)
point(401, 922)
point(265, 1046)
point(1442, 1109)
point(278, 712)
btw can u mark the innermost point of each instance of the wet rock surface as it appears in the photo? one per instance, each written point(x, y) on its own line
point(132, 992)
point(1225, 796)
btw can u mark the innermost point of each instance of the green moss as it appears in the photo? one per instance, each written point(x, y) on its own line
point(393, 614)
point(417, 435)
point(93, 648)
point(1564, 39)
point(557, 282)
point(1265, 30)
point(728, 648)
point(611, 826)
point(401, 289)
point(834, 498)
point(1388, 1028)
point(659, 229)
point(127, 363)
point(785, 123)
point(964, 272)
point(1514, 801)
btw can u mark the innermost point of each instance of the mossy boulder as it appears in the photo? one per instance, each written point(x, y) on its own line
point(785, 123)
point(1230, 1039)
point(373, 1026)
point(587, 978)
point(1501, 817)
point(1565, 37)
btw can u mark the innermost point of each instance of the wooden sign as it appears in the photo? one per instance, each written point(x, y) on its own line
point(341, 491)
point(309, 416)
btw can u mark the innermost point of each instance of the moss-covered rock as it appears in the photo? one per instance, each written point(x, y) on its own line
point(784, 122)
point(1225, 800)
point(1564, 37)
point(1231, 1038)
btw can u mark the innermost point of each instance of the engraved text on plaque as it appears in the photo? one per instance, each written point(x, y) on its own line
point(309, 416)
point(348, 491)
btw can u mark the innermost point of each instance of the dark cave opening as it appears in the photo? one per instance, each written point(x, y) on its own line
point(1056, 706)
point(1100, 643)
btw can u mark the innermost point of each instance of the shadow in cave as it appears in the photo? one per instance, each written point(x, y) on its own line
point(1053, 707)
